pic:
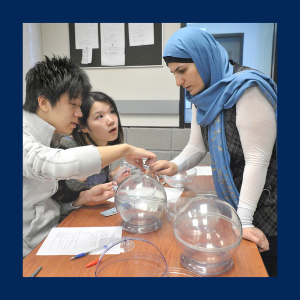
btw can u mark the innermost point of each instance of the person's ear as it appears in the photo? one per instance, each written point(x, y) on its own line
point(44, 103)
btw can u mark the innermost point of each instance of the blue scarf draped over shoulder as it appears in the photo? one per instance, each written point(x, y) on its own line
point(222, 90)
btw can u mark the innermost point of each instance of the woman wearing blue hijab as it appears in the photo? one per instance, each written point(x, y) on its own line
point(234, 119)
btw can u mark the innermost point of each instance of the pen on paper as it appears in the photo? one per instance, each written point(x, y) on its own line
point(88, 252)
point(35, 272)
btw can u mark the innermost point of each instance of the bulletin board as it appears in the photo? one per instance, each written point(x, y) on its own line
point(135, 56)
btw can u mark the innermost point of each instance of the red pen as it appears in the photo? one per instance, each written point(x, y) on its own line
point(92, 263)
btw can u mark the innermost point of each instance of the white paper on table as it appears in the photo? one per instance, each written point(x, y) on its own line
point(112, 44)
point(76, 240)
point(173, 192)
point(112, 199)
point(204, 170)
point(86, 35)
point(141, 34)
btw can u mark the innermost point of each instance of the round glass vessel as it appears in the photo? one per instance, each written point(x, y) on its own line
point(148, 261)
point(208, 232)
point(140, 200)
point(127, 169)
point(182, 179)
point(172, 207)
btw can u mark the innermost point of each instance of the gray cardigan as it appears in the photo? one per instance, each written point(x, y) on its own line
point(42, 168)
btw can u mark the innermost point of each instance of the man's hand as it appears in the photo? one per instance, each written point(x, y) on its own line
point(135, 155)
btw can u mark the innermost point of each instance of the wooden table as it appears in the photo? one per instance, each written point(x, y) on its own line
point(247, 260)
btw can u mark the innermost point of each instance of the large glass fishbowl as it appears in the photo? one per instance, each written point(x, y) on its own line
point(140, 200)
point(208, 232)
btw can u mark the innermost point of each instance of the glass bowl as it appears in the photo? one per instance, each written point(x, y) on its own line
point(173, 272)
point(174, 204)
point(125, 169)
point(148, 262)
point(172, 207)
point(181, 179)
point(208, 232)
point(140, 200)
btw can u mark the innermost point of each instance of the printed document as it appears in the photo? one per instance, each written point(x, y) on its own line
point(86, 35)
point(112, 44)
point(76, 240)
point(141, 34)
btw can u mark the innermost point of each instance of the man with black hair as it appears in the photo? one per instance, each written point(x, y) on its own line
point(55, 90)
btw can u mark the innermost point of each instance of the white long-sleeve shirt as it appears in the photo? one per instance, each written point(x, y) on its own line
point(256, 124)
point(42, 168)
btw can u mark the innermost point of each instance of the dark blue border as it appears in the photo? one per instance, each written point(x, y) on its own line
point(173, 12)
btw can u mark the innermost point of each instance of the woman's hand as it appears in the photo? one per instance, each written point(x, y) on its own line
point(163, 167)
point(134, 156)
point(98, 193)
point(257, 236)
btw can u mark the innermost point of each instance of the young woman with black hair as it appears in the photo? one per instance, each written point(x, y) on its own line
point(99, 125)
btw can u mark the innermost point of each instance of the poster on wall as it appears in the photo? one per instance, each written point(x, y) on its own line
point(141, 34)
point(116, 45)
point(112, 44)
point(86, 38)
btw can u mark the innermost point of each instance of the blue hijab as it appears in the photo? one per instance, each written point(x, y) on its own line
point(222, 90)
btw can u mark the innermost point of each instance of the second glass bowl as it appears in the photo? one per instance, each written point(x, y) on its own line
point(140, 200)
point(208, 232)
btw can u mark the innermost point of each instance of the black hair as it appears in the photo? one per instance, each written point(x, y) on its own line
point(79, 136)
point(169, 59)
point(52, 78)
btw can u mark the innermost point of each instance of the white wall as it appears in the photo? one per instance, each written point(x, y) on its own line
point(258, 41)
point(32, 48)
point(142, 83)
